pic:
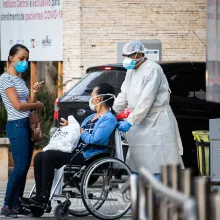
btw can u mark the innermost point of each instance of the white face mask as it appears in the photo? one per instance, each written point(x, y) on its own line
point(92, 106)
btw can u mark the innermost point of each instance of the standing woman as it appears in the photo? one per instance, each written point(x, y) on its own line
point(15, 96)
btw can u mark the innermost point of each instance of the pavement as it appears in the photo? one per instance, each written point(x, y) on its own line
point(28, 188)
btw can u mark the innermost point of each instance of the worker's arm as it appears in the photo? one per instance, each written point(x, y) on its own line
point(151, 86)
point(121, 101)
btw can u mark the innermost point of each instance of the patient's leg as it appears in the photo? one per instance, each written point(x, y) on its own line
point(38, 172)
point(52, 159)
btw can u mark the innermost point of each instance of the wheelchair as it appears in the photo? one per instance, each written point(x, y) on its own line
point(90, 189)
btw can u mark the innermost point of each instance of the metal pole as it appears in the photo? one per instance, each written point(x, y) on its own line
point(201, 189)
point(214, 207)
point(134, 185)
point(163, 203)
point(173, 195)
point(217, 205)
point(175, 174)
point(143, 204)
point(173, 182)
point(164, 174)
point(154, 186)
point(186, 182)
point(150, 203)
point(185, 185)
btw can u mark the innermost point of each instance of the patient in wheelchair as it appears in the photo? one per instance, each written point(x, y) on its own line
point(95, 129)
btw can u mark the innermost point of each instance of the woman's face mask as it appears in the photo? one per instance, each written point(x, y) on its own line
point(20, 60)
point(92, 106)
point(21, 66)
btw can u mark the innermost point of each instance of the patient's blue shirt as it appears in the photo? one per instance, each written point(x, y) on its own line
point(97, 132)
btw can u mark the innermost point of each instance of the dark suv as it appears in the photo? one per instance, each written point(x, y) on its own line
point(188, 98)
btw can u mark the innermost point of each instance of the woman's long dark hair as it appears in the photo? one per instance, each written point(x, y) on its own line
point(105, 88)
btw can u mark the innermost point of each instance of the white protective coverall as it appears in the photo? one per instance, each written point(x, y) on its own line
point(154, 138)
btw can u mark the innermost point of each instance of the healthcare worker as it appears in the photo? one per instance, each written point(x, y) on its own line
point(153, 134)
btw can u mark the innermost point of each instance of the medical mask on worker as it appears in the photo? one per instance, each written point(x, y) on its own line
point(129, 63)
point(92, 106)
point(21, 66)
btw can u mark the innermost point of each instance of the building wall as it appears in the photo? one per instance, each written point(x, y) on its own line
point(93, 27)
point(72, 61)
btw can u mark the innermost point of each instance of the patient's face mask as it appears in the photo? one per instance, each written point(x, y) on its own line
point(92, 106)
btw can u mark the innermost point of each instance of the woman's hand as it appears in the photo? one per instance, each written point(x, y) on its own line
point(63, 122)
point(39, 105)
point(37, 86)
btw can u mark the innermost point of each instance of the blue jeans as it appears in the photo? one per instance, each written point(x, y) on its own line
point(18, 132)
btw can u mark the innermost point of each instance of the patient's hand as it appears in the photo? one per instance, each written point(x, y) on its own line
point(63, 122)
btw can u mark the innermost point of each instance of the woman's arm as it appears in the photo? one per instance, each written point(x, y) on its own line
point(33, 98)
point(17, 104)
point(36, 89)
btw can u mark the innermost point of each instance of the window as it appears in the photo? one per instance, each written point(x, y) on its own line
point(187, 80)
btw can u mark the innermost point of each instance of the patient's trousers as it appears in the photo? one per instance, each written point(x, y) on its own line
point(44, 165)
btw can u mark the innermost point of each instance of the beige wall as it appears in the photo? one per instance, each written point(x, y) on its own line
point(93, 27)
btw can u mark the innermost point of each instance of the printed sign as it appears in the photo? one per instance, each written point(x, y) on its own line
point(37, 24)
point(153, 55)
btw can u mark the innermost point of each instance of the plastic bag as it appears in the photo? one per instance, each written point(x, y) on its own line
point(65, 139)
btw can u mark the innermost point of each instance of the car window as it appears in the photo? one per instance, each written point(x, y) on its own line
point(187, 81)
point(85, 86)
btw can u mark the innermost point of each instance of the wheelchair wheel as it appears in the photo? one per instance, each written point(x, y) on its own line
point(60, 213)
point(77, 207)
point(103, 198)
point(36, 211)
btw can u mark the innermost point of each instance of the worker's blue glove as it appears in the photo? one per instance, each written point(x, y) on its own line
point(123, 126)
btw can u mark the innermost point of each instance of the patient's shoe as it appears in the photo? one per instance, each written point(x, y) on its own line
point(24, 200)
point(20, 210)
point(39, 200)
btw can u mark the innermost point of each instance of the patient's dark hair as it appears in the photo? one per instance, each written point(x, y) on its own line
point(105, 88)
